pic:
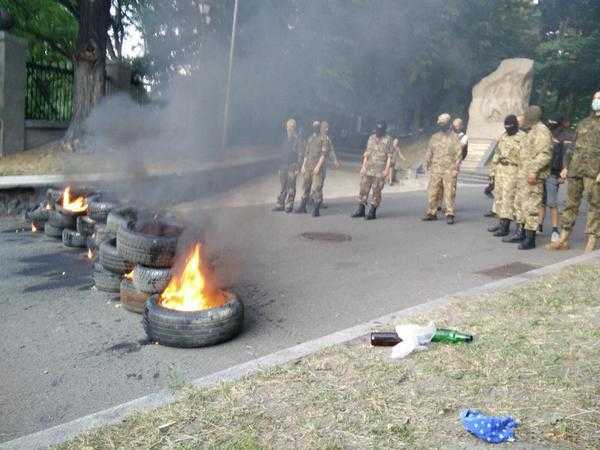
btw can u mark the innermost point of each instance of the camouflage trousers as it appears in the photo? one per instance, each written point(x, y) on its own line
point(440, 197)
point(312, 186)
point(441, 185)
point(576, 188)
point(532, 202)
point(520, 195)
point(505, 189)
point(373, 185)
point(287, 180)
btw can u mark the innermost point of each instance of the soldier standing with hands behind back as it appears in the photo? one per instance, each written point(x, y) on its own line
point(376, 166)
point(293, 150)
point(318, 147)
point(535, 159)
point(443, 159)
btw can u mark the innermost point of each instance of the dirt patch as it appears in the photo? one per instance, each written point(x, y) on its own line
point(508, 270)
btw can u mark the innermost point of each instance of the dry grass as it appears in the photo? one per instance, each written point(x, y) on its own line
point(536, 357)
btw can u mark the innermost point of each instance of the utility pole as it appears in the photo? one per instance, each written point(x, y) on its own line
point(228, 86)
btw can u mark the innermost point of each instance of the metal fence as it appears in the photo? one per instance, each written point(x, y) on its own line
point(49, 94)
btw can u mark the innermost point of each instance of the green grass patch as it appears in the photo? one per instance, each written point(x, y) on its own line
point(536, 356)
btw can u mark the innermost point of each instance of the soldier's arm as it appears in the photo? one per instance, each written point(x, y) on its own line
point(569, 150)
point(333, 156)
point(543, 154)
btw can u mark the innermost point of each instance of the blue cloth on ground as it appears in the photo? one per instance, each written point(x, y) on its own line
point(488, 428)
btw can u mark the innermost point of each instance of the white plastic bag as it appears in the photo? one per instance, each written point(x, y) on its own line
point(414, 337)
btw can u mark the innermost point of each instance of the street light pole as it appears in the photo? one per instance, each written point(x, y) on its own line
point(228, 86)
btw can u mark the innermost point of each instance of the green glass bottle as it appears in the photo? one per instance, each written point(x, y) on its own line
point(450, 336)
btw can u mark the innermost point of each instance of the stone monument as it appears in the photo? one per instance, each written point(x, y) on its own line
point(505, 91)
point(13, 75)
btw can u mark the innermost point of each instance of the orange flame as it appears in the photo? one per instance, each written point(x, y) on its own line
point(129, 275)
point(48, 207)
point(33, 228)
point(187, 291)
point(90, 254)
point(77, 205)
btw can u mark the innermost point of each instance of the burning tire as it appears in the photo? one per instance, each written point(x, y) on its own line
point(132, 299)
point(106, 281)
point(150, 280)
point(85, 225)
point(149, 244)
point(99, 211)
point(72, 238)
point(111, 260)
point(54, 196)
point(53, 231)
point(59, 220)
point(193, 329)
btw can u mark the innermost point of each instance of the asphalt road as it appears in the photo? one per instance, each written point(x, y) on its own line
point(68, 350)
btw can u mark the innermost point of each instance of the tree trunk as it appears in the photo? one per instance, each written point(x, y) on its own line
point(90, 61)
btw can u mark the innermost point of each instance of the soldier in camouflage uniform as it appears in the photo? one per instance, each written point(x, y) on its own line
point(504, 169)
point(292, 154)
point(397, 157)
point(443, 159)
point(376, 165)
point(583, 174)
point(536, 156)
point(318, 147)
point(519, 234)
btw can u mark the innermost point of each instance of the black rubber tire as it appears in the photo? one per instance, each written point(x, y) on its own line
point(85, 225)
point(99, 211)
point(150, 279)
point(38, 215)
point(111, 260)
point(72, 238)
point(120, 217)
point(106, 281)
point(100, 235)
point(59, 220)
point(132, 299)
point(193, 329)
point(147, 250)
point(53, 232)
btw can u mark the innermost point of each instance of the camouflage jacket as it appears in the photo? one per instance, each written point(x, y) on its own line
point(377, 153)
point(508, 151)
point(316, 146)
point(536, 154)
point(292, 152)
point(444, 153)
point(585, 159)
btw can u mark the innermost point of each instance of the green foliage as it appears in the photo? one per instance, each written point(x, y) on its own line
point(48, 25)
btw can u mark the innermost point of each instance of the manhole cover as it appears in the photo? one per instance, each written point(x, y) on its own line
point(326, 236)
point(508, 270)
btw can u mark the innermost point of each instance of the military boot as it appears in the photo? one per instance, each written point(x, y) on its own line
point(496, 227)
point(278, 207)
point(529, 242)
point(371, 214)
point(591, 243)
point(517, 236)
point(359, 212)
point(450, 220)
point(301, 209)
point(289, 208)
point(562, 243)
point(504, 228)
point(316, 209)
point(490, 214)
point(429, 217)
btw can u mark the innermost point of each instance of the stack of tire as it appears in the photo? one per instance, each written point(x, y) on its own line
point(150, 247)
point(110, 267)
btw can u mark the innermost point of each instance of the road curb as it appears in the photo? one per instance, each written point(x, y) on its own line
point(66, 431)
